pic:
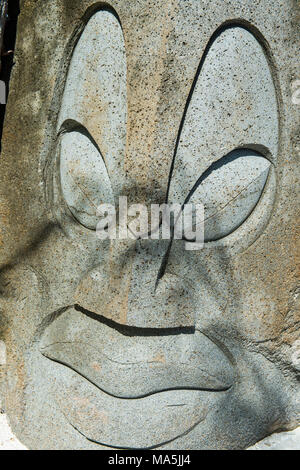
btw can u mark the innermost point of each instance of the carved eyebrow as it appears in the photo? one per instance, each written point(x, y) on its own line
point(71, 125)
point(228, 158)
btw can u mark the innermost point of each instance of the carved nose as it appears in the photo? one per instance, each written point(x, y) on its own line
point(128, 289)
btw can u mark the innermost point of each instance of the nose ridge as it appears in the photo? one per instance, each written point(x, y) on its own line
point(153, 304)
point(127, 289)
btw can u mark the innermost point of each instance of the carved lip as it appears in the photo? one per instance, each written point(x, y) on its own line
point(136, 366)
point(144, 423)
point(136, 391)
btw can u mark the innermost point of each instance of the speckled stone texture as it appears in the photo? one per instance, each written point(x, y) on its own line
point(141, 343)
point(280, 441)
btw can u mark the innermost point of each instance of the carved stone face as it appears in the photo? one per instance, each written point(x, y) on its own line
point(141, 343)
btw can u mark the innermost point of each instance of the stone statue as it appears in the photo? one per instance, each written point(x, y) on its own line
point(139, 343)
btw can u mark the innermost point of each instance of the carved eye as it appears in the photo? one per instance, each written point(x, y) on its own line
point(84, 179)
point(232, 105)
point(93, 115)
point(229, 190)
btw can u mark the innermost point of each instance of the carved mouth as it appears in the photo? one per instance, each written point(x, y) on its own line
point(136, 366)
point(141, 377)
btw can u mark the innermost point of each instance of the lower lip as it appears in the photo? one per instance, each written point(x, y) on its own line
point(130, 423)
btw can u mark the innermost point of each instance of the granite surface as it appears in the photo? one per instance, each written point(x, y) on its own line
point(142, 343)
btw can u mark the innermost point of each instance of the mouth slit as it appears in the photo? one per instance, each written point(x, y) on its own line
point(133, 330)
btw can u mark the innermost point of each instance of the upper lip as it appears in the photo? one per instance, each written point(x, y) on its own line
point(136, 366)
